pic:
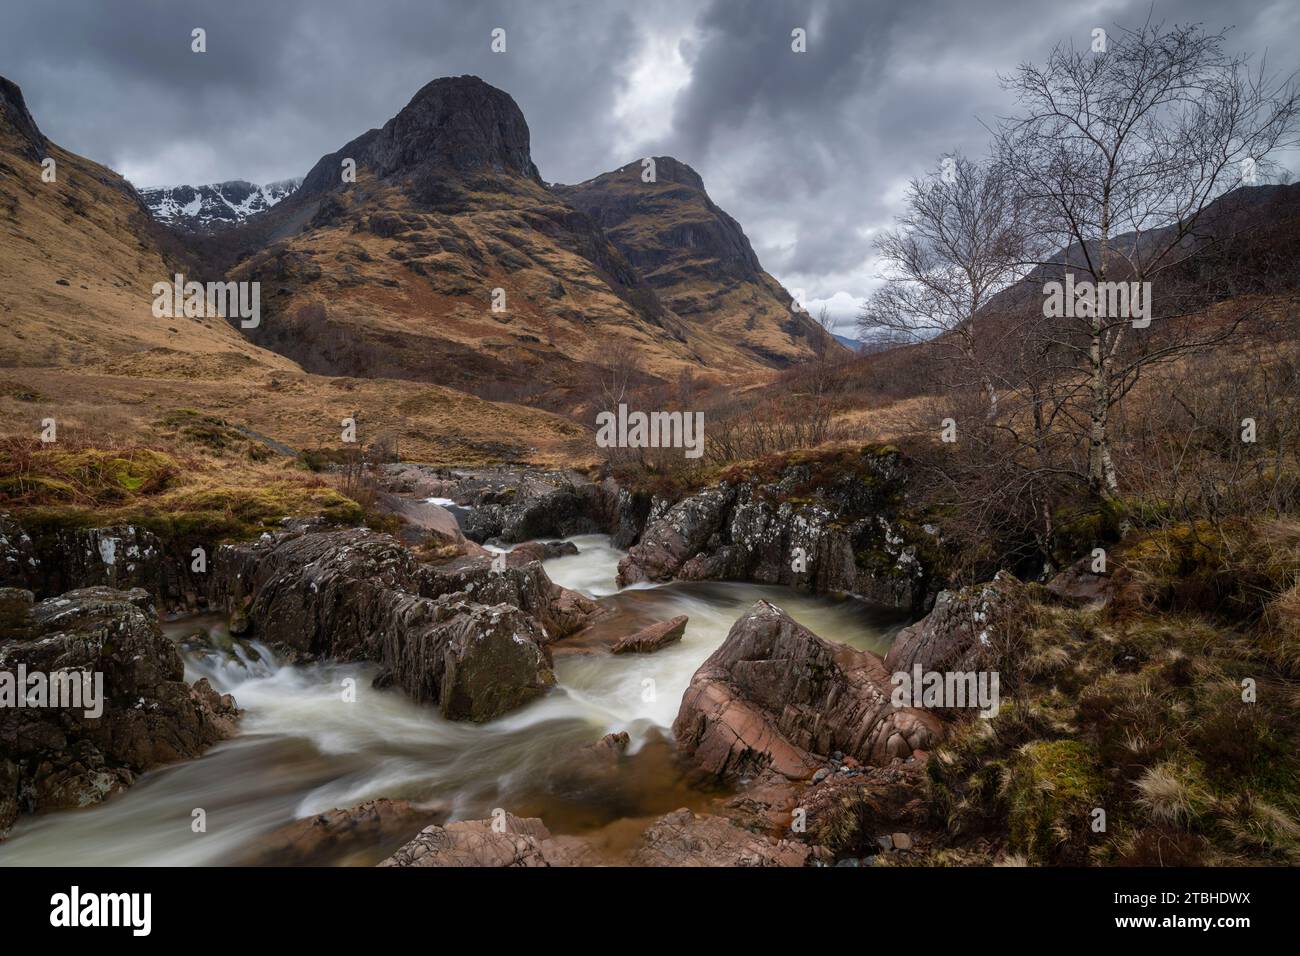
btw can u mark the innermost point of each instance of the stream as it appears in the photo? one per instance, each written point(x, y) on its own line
point(302, 750)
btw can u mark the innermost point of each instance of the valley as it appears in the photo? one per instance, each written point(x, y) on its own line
point(419, 511)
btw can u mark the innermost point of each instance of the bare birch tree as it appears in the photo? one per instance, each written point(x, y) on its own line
point(960, 241)
point(1117, 153)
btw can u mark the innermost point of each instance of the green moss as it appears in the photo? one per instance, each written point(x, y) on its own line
point(36, 487)
point(1080, 528)
point(210, 513)
point(1050, 790)
point(108, 476)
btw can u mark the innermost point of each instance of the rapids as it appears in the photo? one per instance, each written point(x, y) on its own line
point(302, 749)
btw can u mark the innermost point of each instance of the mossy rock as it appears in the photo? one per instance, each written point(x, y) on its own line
point(1080, 528)
point(1050, 790)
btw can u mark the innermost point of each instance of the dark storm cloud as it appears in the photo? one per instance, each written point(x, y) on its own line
point(810, 152)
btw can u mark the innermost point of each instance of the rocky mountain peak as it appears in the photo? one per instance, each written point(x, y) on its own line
point(459, 123)
point(669, 218)
point(14, 115)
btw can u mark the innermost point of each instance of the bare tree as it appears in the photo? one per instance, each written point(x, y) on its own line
point(617, 376)
point(1117, 154)
point(960, 242)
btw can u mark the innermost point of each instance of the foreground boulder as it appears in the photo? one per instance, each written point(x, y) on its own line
point(776, 695)
point(654, 637)
point(505, 840)
point(466, 637)
point(473, 661)
point(61, 757)
point(337, 835)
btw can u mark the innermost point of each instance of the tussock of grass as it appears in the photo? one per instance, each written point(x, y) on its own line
point(1173, 792)
point(1235, 567)
point(849, 824)
point(1138, 709)
point(86, 477)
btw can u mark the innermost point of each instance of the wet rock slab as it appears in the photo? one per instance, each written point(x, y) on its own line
point(57, 758)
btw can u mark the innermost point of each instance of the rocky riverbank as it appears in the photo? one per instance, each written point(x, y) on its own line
point(56, 756)
point(794, 748)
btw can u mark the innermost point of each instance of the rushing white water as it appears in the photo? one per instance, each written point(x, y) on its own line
point(302, 749)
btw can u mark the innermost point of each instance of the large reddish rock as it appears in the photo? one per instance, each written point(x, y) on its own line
point(775, 695)
point(654, 637)
point(683, 838)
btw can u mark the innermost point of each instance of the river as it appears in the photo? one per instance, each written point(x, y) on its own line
point(302, 749)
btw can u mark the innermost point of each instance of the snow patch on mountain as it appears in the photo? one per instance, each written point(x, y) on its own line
point(216, 204)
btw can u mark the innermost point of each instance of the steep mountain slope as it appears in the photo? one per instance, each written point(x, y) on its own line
point(213, 206)
point(79, 342)
point(697, 258)
point(78, 261)
point(449, 260)
point(397, 274)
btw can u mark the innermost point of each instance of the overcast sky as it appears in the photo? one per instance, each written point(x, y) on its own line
point(810, 152)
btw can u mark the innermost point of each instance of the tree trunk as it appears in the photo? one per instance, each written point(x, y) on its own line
point(1102, 479)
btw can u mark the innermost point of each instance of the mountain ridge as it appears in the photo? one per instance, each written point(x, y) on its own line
point(214, 205)
point(447, 211)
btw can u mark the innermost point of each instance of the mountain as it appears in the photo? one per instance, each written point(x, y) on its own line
point(79, 342)
point(697, 258)
point(81, 255)
point(853, 345)
point(218, 204)
point(396, 274)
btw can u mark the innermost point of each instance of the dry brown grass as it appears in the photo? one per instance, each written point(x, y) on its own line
point(432, 424)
